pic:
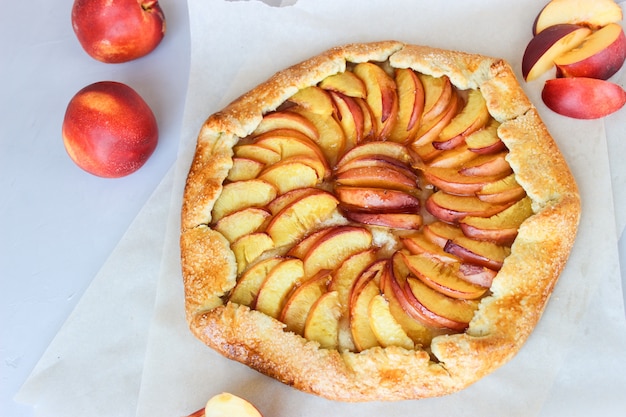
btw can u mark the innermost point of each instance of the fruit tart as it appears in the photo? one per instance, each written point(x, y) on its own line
point(383, 221)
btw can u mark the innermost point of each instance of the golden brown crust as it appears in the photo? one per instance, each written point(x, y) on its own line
point(505, 318)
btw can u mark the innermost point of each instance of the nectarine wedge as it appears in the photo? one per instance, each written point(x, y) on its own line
point(583, 98)
point(600, 55)
point(542, 50)
point(594, 14)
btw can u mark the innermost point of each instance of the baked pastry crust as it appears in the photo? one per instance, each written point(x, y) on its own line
point(505, 317)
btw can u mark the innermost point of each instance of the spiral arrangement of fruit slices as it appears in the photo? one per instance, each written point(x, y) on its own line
point(373, 209)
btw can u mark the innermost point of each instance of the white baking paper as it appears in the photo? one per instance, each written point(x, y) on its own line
point(179, 377)
point(573, 364)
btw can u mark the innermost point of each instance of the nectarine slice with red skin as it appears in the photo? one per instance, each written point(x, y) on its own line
point(452, 181)
point(408, 221)
point(314, 99)
point(600, 55)
point(593, 14)
point(439, 310)
point(301, 300)
point(411, 105)
point(381, 97)
point(478, 252)
point(346, 83)
point(376, 199)
point(350, 116)
point(476, 274)
point(542, 49)
point(387, 329)
point(380, 177)
point(322, 323)
point(583, 98)
point(286, 120)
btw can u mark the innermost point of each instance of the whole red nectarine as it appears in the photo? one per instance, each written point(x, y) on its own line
point(109, 130)
point(115, 31)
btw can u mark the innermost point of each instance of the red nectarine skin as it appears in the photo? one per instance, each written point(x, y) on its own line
point(109, 130)
point(583, 98)
point(115, 31)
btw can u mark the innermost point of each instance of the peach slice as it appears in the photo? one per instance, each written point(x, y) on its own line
point(438, 92)
point(600, 55)
point(228, 405)
point(476, 274)
point(287, 143)
point(430, 129)
point(322, 323)
point(289, 174)
point(453, 158)
point(374, 271)
point(344, 277)
point(472, 117)
point(295, 220)
point(547, 45)
point(376, 199)
point(362, 333)
point(278, 284)
point(314, 99)
point(257, 153)
point(331, 139)
point(493, 164)
point(242, 222)
point(439, 232)
point(504, 191)
point(388, 149)
point(402, 311)
point(301, 301)
point(369, 128)
point(242, 194)
point(244, 169)
point(382, 96)
point(334, 247)
point(346, 83)
point(453, 208)
point(249, 247)
point(438, 309)
point(386, 328)
point(409, 221)
point(350, 116)
point(250, 282)
point(282, 201)
point(486, 141)
point(452, 181)
point(478, 252)
point(286, 120)
point(378, 161)
point(500, 228)
point(302, 248)
point(410, 105)
point(443, 277)
point(593, 14)
point(387, 177)
point(583, 98)
point(419, 244)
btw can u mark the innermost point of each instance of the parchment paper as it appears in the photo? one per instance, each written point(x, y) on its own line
point(573, 364)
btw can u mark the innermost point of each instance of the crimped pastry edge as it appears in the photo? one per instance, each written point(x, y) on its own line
point(504, 319)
